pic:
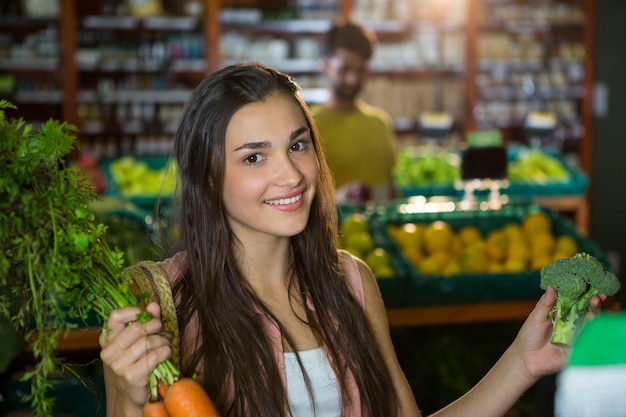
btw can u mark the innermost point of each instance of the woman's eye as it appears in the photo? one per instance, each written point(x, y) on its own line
point(298, 146)
point(253, 159)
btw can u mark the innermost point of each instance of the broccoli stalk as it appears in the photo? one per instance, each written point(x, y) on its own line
point(575, 281)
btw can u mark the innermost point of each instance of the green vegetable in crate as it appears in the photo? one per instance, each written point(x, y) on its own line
point(54, 257)
point(431, 167)
point(134, 177)
point(537, 166)
point(576, 280)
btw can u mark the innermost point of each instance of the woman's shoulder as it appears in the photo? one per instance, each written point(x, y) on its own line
point(353, 268)
point(359, 276)
point(174, 267)
point(170, 268)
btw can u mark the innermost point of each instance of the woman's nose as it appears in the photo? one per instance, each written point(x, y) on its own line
point(288, 172)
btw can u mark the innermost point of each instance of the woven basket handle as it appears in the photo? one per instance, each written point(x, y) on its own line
point(152, 280)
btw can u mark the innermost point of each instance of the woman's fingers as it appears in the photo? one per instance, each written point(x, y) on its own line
point(544, 305)
point(139, 359)
point(127, 343)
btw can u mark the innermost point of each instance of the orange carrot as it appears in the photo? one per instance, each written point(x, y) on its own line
point(154, 409)
point(187, 398)
point(161, 388)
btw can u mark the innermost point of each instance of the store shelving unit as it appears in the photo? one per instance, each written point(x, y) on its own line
point(107, 74)
point(74, 87)
point(493, 70)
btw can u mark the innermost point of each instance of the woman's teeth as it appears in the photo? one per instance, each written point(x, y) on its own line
point(285, 200)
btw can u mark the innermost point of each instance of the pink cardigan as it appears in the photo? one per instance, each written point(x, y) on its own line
point(351, 406)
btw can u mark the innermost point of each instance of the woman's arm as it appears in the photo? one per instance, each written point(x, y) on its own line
point(530, 357)
point(377, 316)
point(130, 351)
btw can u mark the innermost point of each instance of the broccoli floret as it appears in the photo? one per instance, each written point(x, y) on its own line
point(575, 281)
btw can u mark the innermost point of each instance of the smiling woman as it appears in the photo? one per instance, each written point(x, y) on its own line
point(256, 275)
point(275, 320)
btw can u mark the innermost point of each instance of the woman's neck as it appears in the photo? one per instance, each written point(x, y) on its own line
point(266, 267)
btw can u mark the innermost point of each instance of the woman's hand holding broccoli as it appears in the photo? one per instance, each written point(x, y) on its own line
point(576, 281)
point(541, 357)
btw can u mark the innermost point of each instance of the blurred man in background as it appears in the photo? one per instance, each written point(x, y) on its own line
point(359, 139)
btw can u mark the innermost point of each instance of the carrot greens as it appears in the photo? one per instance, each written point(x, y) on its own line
point(54, 257)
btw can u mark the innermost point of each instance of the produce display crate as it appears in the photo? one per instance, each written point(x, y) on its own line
point(575, 185)
point(427, 289)
point(393, 289)
point(143, 201)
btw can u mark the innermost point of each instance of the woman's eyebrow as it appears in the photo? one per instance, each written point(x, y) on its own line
point(298, 132)
point(254, 145)
point(267, 144)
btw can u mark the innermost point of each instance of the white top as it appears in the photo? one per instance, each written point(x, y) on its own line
point(591, 391)
point(324, 385)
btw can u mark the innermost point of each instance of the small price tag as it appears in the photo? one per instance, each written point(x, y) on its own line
point(436, 120)
point(435, 125)
point(538, 120)
point(484, 162)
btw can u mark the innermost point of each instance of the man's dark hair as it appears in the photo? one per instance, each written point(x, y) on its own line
point(351, 36)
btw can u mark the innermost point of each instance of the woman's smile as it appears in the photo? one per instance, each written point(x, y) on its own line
point(285, 201)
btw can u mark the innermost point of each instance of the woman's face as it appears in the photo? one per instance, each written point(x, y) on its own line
point(270, 169)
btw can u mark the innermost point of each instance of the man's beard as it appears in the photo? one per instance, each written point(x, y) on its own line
point(346, 94)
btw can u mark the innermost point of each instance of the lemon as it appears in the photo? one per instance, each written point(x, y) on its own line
point(451, 268)
point(474, 260)
point(354, 251)
point(414, 255)
point(496, 245)
point(442, 257)
point(518, 249)
point(437, 236)
point(542, 242)
point(513, 231)
point(354, 224)
point(469, 234)
point(536, 222)
point(409, 235)
point(456, 247)
point(495, 267)
point(361, 241)
point(566, 245)
point(385, 272)
point(540, 260)
point(558, 255)
point(429, 265)
point(514, 265)
point(378, 259)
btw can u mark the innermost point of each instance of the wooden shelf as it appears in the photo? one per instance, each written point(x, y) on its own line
point(459, 313)
point(86, 340)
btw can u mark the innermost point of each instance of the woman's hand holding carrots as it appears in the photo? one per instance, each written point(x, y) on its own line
point(131, 351)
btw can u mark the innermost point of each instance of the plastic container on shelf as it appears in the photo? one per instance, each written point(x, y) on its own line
point(434, 289)
point(575, 183)
point(393, 289)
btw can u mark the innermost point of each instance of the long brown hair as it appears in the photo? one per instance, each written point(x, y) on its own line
point(236, 359)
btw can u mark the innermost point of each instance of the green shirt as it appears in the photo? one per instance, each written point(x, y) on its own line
point(359, 145)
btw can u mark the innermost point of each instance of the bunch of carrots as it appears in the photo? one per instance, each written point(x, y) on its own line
point(183, 398)
point(53, 255)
